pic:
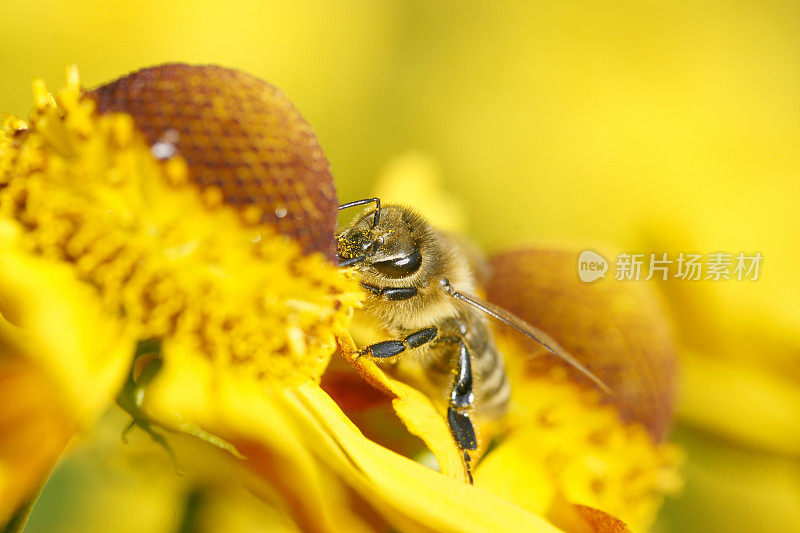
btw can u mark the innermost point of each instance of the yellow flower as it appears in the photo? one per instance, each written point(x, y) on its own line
point(167, 240)
point(134, 250)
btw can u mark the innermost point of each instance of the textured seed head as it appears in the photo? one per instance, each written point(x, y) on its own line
point(619, 331)
point(244, 142)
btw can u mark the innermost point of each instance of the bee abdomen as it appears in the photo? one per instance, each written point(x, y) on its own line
point(493, 390)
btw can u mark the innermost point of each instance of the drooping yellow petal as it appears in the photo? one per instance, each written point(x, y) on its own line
point(62, 360)
point(298, 440)
point(34, 431)
point(414, 409)
point(435, 502)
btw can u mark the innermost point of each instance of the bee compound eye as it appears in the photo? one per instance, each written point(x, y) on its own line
point(400, 267)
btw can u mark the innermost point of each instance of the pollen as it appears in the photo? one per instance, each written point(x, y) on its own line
point(169, 258)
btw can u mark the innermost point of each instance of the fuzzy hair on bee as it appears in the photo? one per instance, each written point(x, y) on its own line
point(420, 284)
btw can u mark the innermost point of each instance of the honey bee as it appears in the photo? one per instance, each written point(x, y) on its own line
point(421, 283)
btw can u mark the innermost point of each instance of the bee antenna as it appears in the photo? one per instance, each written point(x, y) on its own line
point(364, 202)
point(526, 329)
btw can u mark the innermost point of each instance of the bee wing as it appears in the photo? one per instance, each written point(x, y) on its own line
point(529, 331)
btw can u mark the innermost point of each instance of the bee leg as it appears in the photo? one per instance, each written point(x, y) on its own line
point(461, 398)
point(383, 349)
point(394, 294)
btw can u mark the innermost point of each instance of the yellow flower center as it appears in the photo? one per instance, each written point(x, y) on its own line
point(167, 258)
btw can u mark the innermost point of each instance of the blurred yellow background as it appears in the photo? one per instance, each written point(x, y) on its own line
point(639, 126)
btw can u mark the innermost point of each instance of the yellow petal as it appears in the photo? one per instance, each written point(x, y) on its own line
point(596, 521)
point(414, 409)
point(738, 358)
point(232, 509)
point(34, 431)
point(512, 472)
point(298, 441)
point(719, 394)
point(434, 502)
point(730, 487)
point(190, 393)
point(103, 479)
point(63, 360)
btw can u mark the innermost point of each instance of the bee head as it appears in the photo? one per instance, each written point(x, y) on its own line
point(381, 240)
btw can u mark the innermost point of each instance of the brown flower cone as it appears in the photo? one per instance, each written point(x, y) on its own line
point(618, 330)
point(238, 135)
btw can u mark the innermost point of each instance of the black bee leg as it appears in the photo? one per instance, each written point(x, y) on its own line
point(391, 293)
point(383, 349)
point(461, 398)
